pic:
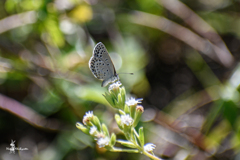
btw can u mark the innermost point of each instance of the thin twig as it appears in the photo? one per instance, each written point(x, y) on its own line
point(27, 114)
point(17, 20)
point(183, 34)
point(197, 23)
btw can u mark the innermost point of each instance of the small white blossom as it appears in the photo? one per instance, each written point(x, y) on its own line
point(133, 102)
point(126, 120)
point(86, 118)
point(89, 114)
point(115, 85)
point(93, 130)
point(149, 147)
point(102, 142)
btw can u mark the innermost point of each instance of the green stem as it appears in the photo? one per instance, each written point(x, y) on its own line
point(138, 149)
point(141, 150)
point(135, 132)
point(115, 149)
point(151, 156)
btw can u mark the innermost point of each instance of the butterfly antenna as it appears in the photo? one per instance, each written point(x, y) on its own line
point(126, 73)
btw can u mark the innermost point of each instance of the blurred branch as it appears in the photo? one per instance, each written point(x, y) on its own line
point(181, 108)
point(186, 107)
point(199, 25)
point(184, 35)
point(17, 20)
point(27, 114)
point(167, 122)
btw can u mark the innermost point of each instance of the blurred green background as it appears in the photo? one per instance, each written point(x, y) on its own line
point(184, 56)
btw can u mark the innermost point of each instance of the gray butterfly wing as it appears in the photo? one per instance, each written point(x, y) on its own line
point(101, 65)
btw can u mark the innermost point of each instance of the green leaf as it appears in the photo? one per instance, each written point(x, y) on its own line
point(126, 143)
point(108, 97)
point(132, 111)
point(105, 130)
point(133, 135)
point(115, 101)
point(141, 136)
point(121, 112)
point(230, 112)
point(113, 139)
point(82, 128)
point(212, 115)
point(126, 109)
point(10, 5)
point(54, 34)
point(96, 122)
point(118, 120)
point(123, 94)
point(119, 101)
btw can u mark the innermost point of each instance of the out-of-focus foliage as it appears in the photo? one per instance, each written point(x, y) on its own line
point(185, 60)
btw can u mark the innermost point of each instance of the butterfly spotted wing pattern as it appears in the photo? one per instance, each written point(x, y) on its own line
point(101, 65)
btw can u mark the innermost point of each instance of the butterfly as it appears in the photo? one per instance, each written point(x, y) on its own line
point(102, 66)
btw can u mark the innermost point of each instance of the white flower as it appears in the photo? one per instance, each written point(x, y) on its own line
point(126, 120)
point(149, 147)
point(93, 130)
point(102, 142)
point(87, 117)
point(133, 102)
point(89, 114)
point(115, 85)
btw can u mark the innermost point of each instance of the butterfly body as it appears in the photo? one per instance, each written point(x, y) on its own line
point(102, 66)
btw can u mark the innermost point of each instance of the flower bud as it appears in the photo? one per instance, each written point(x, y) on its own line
point(105, 130)
point(82, 128)
point(113, 139)
point(138, 113)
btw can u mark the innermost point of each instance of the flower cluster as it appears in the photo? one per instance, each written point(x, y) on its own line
point(130, 112)
point(93, 127)
point(116, 95)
